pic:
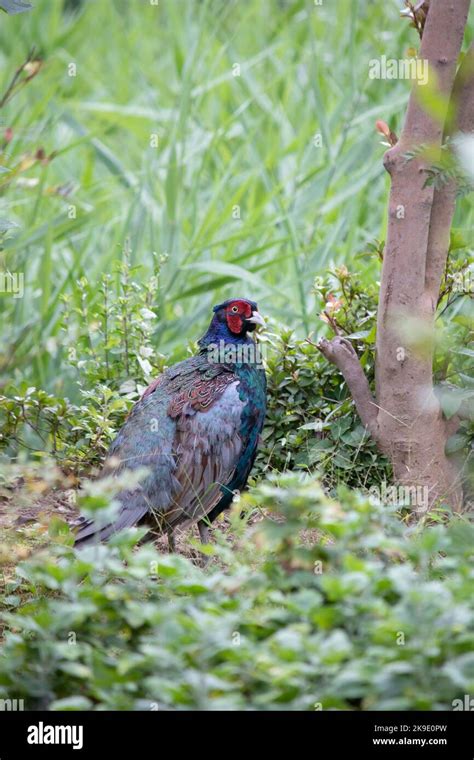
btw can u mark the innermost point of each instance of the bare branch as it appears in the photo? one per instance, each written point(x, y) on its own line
point(444, 200)
point(441, 51)
point(339, 351)
point(410, 197)
point(15, 82)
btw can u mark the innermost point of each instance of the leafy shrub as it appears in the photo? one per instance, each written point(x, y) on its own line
point(326, 604)
point(311, 421)
point(108, 356)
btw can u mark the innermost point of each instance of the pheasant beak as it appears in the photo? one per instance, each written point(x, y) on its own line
point(256, 319)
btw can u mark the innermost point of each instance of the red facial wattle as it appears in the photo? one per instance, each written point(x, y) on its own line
point(234, 322)
point(236, 312)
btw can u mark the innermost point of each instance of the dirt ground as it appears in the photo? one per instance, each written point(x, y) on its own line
point(25, 521)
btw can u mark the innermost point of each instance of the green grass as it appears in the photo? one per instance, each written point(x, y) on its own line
point(224, 141)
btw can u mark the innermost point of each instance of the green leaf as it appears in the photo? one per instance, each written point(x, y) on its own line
point(71, 703)
point(456, 442)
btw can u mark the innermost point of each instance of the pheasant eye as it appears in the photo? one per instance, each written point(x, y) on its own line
point(235, 309)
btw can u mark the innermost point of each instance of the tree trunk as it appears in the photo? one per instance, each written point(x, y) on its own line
point(405, 418)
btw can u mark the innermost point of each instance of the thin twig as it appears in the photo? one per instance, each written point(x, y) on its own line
point(9, 91)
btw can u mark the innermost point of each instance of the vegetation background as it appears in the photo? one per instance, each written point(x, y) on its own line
point(166, 74)
point(162, 158)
